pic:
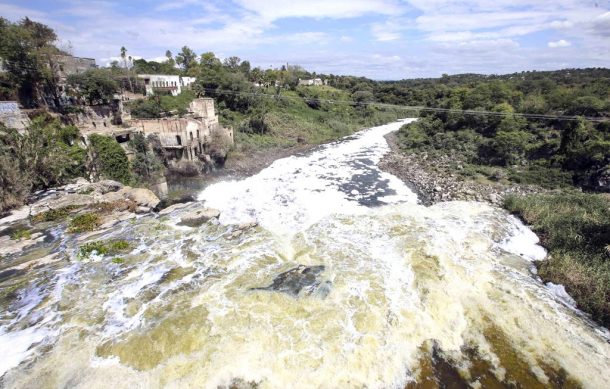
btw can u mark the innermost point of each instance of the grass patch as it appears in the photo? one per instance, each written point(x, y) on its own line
point(114, 206)
point(575, 228)
point(113, 247)
point(54, 214)
point(21, 233)
point(84, 222)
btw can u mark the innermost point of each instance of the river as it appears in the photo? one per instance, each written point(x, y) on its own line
point(346, 282)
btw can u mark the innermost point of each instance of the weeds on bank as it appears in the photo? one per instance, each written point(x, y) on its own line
point(113, 247)
point(575, 228)
point(84, 222)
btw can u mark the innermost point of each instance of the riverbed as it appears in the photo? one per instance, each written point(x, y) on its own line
point(341, 279)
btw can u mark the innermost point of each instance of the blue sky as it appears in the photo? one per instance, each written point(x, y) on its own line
point(381, 39)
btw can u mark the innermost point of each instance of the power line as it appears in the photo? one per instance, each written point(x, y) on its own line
point(417, 108)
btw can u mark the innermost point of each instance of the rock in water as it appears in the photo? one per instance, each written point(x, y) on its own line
point(199, 216)
point(301, 280)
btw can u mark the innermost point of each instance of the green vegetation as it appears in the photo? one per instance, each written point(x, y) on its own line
point(27, 53)
point(53, 214)
point(21, 233)
point(575, 227)
point(507, 148)
point(84, 222)
point(96, 86)
point(113, 247)
point(109, 159)
point(44, 156)
point(158, 106)
point(146, 165)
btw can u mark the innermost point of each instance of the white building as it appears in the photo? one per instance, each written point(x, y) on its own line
point(165, 83)
point(310, 82)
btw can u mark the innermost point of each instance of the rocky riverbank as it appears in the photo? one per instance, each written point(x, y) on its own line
point(435, 179)
point(80, 207)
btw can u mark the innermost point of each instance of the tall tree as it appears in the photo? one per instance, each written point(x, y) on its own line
point(186, 58)
point(170, 58)
point(126, 67)
point(27, 53)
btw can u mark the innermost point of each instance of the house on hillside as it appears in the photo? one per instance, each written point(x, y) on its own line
point(165, 83)
point(312, 82)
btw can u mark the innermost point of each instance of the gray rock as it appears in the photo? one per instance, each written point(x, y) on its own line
point(173, 207)
point(199, 216)
point(106, 186)
point(301, 280)
point(141, 196)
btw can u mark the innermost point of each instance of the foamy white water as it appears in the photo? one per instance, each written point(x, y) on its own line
point(403, 286)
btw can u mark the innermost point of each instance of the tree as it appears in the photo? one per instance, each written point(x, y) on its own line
point(26, 51)
point(126, 66)
point(232, 62)
point(43, 156)
point(108, 159)
point(510, 146)
point(145, 164)
point(95, 85)
point(187, 58)
point(209, 60)
point(170, 58)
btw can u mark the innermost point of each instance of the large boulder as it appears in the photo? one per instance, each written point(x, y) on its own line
point(197, 217)
point(143, 197)
point(106, 186)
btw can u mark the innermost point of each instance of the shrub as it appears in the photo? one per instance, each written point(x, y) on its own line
point(104, 248)
point(109, 159)
point(54, 214)
point(21, 233)
point(84, 222)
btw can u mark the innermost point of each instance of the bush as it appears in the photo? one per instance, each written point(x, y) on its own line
point(104, 248)
point(84, 222)
point(54, 214)
point(109, 159)
point(21, 233)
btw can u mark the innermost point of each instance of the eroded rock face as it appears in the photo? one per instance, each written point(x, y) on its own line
point(197, 217)
point(299, 281)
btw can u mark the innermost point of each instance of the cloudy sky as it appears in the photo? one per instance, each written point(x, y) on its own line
point(381, 39)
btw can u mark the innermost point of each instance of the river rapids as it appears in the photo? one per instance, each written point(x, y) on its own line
point(346, 282)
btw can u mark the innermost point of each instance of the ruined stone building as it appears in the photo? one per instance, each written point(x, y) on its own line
point(161, 83)
point(66, 65)
point(196, 137)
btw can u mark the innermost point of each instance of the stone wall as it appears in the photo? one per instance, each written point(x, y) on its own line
point(12, 116)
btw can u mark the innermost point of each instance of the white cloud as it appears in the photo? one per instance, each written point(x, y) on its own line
point(559, 43)
point(338, 9)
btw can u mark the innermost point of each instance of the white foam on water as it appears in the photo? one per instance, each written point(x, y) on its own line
point(559, 291)
point(16, 346)
point(400, 274)
point(523, 242)
point(295, 192)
